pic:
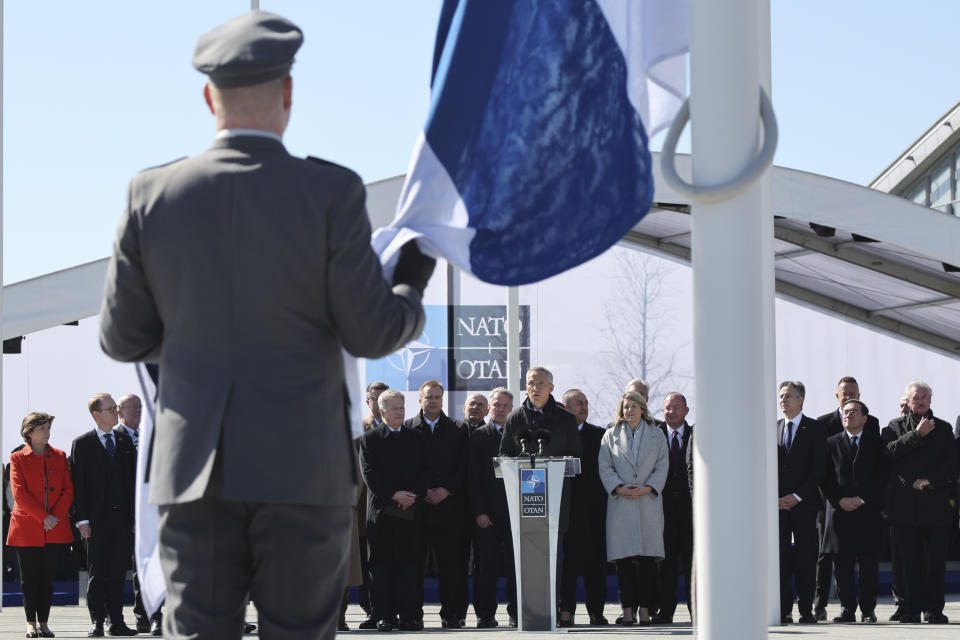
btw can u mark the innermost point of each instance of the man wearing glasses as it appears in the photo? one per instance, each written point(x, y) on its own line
point(102, 464)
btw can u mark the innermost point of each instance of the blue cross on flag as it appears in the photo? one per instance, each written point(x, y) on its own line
point(534, 155)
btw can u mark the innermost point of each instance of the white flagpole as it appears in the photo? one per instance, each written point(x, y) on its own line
point(514, 375)
point(768, 293)
point(732, 242)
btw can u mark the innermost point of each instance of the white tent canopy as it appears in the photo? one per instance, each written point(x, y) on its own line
point(875, 259)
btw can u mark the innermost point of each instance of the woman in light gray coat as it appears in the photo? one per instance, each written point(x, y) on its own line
point(634, 460)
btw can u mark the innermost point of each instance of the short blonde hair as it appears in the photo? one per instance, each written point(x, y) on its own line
point(94, 403)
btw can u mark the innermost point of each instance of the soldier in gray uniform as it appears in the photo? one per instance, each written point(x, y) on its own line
point(243, 272)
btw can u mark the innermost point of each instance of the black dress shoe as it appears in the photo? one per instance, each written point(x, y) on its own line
point(820, 613)
point(450, 623)
point(342, 626)
point(625, 623)
point(937, 618)
point(409, 625)
point(486, 623)
point(895, 616)
point(786, 619)
point(846, 616)
point(807, 618)
point(121, 630)
point(662, 619)
point(156, 627)
point(143, 625)
point(248, 628)
point(384, 625)
point(33, 634)
point(868, 617)
point(909, 618)
point(368, 625)
point(45, 634)
point(599, 621)
point(462, 621)
point(96, 631)
point(565, 623)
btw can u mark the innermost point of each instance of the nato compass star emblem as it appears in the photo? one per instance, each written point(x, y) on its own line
point(533, 480)
point(412, 357)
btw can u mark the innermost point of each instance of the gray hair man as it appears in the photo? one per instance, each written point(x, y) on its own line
point(923, 467)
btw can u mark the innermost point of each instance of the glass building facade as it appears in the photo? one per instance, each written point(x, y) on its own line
point(937, 187)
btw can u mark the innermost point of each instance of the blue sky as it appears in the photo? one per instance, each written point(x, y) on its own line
point(93, 93)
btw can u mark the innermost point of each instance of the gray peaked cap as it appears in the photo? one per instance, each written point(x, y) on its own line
point(249, 49)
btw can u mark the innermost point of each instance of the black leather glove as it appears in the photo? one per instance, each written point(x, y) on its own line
point(413, 268)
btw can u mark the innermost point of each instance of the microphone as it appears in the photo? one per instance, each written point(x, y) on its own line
point(524, 437)
point(543, 439)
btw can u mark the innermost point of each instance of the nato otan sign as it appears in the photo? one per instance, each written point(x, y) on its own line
point(533, 493)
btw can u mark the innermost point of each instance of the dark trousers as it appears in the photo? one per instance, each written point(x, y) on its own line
point(494, 548)
point(583, 555)
point(217, 553)
point(798, 561)
point(846, 591)
point(449, 547)
point(393, 592)
point(825, 564)
point(921, 554)
point(896, 574)
point(678, 560)
point(363, 591)
point(635, 578)
point(37, 568)
point(109, 548)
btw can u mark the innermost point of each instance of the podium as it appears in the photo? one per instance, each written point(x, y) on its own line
point(534, 492)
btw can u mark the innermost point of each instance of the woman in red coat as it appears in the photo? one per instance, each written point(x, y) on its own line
point(42, 495)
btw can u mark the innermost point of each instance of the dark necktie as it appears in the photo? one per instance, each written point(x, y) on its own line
point(853, 444)
point(789, 435)
point(136, 439)
point(675, 450)
point(111, 448)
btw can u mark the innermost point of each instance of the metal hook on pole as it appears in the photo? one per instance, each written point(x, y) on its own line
point(723, 191)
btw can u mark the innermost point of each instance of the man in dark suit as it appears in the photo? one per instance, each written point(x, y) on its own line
point(392, 462)
point(584, 544)
point(801, 456)
point(474, 412)
point(847, 389)
point(923, 467)
point(373, 419)
point(444, 504)
point(677, 510)
point(853, 487)
point(488, 505)
point(245, 272)
point(102, 466)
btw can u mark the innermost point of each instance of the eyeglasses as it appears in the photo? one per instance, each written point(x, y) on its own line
point(112, 409)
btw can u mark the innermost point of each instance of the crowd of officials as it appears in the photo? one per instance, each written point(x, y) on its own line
point(430, 502)
point(848, 492)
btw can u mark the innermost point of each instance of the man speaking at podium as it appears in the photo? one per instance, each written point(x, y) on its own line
point(548, 430)
point(244, 271)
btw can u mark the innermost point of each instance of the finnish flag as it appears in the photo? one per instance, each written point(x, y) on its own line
point(534, 156)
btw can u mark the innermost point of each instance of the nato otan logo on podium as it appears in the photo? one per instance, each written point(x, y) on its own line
point(533, 493)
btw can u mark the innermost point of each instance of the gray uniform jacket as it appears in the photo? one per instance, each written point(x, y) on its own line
point(634, 525)
point(243, 271)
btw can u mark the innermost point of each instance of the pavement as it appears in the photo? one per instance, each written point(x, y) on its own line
point(72, 622)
